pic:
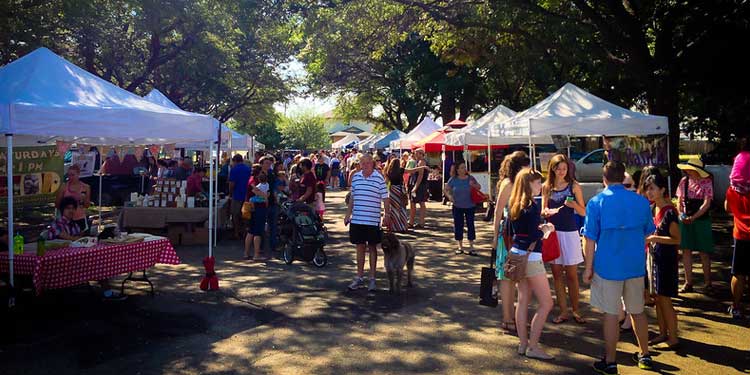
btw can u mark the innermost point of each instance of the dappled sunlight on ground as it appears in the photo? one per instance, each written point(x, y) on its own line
point(273, 318)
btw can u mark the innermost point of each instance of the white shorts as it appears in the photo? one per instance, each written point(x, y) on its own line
point(571, 251)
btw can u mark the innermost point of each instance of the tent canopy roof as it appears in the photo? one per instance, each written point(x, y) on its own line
point(425, 128)
point(345, 141)
point(574, 111)
point(476, 133)
point(42, 94)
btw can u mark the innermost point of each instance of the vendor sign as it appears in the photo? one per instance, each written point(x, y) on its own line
point(37, 175)
point(637, 152)
point(86, 161)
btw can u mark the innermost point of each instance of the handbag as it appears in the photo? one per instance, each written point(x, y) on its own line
point(490, 213)
point(550, 248)
point(477, 197)
point(515, 266)
point(692, 206)
point(487, 281)
point(247, 210)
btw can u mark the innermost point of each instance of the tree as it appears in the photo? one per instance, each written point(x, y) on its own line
point(207, 57)
point(304, 131)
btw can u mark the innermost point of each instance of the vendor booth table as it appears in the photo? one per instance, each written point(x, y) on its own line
point(160, 217)
point(71, 266)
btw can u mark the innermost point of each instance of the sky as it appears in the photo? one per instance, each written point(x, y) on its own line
point(299, 103)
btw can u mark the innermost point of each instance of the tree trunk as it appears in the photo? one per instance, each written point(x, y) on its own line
point(447, 107)
point(468, 99)
point(662, 97)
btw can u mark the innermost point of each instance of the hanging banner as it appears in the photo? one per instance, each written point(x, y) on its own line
point(638, 152)
point(86, 161)
point(37, 175)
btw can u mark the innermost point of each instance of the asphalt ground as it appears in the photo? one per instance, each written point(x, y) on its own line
point(273, 318)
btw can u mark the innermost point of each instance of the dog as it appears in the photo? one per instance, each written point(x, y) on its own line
point(397, 254)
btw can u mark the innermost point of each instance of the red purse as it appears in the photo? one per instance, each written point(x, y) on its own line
point(477, 196)
point(550, 248)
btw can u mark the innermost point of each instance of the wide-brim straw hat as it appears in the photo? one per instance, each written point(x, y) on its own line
point(694, 164)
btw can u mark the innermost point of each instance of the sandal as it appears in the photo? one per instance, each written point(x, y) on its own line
point(658, 340)
point(687, 288)
point(509, 327)
point(459, 251)
point(579, 319)
point(560, 320)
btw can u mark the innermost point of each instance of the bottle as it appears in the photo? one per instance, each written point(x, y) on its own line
point(18, 244)
point(41, 246)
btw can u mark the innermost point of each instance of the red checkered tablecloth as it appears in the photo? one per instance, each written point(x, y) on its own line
point(72, 266)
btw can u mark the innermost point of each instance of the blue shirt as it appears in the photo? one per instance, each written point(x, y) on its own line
point(526, 228)
point(461, 190)
point(240, 175)
point(618, 221)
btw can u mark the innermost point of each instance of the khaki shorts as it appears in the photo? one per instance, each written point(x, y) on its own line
point(609, 295)
point(535, 267)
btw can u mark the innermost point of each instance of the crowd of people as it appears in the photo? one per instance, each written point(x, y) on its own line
point(628, 238)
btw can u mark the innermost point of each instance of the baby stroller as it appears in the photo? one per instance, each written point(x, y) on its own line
point(302, 234)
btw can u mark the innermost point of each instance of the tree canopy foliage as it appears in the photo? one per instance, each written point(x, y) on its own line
point(304, 131)
point(213, 57)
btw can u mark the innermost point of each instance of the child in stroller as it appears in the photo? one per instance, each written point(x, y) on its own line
point(302, 234)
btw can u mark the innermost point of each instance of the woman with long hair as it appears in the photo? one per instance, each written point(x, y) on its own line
point(663, 259)
point(528, 233)
point(511, 165)
point(78, 190)
point(562, 199)
point(394, 174)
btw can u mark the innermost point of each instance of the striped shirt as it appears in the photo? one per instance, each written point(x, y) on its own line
point(367, 196)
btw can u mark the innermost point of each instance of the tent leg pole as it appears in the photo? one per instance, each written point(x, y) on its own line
point(99, 208)
point(211, 206)
point(9, 180)
point(489, 166)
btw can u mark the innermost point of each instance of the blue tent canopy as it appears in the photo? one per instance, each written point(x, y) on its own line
point(385, 141)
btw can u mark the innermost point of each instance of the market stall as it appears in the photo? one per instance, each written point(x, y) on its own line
point(345, 142)
point(42, 95)
point(572, 111)
point(70, 266)
point(425, 128)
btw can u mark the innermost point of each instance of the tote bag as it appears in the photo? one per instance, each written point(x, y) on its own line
point(550, 248)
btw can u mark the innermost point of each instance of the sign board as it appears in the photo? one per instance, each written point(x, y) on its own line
point(86, 161)
point(37, 175)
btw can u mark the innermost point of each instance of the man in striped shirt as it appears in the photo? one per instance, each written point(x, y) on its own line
point(368, 191)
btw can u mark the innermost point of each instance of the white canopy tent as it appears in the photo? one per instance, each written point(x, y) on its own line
point(425, 128)
point(42, 95)
point(366, 143)
point(478, 132)
point(572, 111)
point(156, 97)
point(343, 142)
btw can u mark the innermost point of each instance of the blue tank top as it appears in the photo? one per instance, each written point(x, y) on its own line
point(564, 220)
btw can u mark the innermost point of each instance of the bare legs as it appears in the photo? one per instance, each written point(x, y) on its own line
point(361, 259)
point(539, 287)
point(571, 279)
point(508, 298)
point(612, 334)
point(738, 288)
point(667, 319)
point(413, 213)
point(255, 242)
point(687, 263)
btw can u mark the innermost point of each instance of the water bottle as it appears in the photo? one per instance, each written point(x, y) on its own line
point(18, 244)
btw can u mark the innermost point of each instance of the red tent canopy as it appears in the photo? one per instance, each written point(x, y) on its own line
point(436, 141)
point(456, 124)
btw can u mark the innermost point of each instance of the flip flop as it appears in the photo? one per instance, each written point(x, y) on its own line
point(668, 347)
point(560, 320)
point(579, 319)
point(657, 340)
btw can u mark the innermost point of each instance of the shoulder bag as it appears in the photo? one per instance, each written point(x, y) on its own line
point(515, 264)
point(692, 205)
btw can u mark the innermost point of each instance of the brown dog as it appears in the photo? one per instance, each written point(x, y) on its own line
point(397, 254)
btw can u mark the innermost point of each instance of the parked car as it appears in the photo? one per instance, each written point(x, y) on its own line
point(589, 167)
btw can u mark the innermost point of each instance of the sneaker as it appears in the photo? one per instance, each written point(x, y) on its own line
point(736, 313)
point(112, 295)
point(358, 283)
point(372, 287)
point(537, 353)
point(602, 367)
point(644, 361)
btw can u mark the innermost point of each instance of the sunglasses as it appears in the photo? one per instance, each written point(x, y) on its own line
point(628, 186)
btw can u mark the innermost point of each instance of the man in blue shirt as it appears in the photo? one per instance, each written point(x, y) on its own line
point(239, 175)
point(617, 223)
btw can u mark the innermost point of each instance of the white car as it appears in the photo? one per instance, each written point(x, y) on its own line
point(589, 167)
